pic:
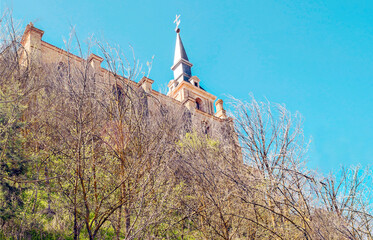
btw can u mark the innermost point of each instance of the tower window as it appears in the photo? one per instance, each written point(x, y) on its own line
point(195, 84)
point(199, 104)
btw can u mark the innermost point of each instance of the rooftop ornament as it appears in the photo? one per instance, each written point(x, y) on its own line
point(177, 21)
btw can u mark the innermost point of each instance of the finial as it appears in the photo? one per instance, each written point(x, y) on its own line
point(177, 21)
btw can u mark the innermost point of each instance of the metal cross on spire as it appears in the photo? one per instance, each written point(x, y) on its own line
point(177, 21)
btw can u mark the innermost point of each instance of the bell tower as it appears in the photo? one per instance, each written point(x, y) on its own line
point(185, 87)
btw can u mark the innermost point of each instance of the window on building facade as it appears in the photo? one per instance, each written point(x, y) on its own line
point(199, 104)
point(62, 70)
point(205, 128)
point(118, 93)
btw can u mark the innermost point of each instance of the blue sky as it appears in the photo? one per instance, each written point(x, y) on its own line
point(316, 57)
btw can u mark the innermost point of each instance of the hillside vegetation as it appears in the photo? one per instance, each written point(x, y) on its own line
point(81, 159)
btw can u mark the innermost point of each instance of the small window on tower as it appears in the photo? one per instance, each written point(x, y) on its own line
point(199, 104)
point(195, 84)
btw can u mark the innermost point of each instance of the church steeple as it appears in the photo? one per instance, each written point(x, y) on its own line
point(182, 67)
point(185, 88)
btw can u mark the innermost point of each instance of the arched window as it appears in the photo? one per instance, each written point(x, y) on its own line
point(199, 104)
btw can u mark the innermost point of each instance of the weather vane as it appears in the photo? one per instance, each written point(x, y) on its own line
point(177, 21)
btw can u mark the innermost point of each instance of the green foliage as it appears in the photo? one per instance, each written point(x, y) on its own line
point(196, 141)
point(13, 161)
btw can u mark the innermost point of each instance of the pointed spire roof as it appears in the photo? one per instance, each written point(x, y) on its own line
point(182, 68)
point(179, 49)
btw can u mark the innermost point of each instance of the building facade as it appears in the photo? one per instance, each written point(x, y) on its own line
point(183, 91)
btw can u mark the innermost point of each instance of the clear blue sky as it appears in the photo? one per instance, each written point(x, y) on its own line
point(315, 57)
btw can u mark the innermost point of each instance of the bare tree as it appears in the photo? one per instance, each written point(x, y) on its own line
point(141, 137)
point(19, 84)
point(346, 197)
point(87, 152)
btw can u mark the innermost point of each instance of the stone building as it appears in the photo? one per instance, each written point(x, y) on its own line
point(184, 89)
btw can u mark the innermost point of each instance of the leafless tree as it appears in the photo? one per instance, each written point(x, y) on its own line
point(106, 158)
